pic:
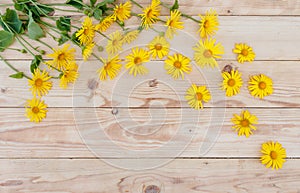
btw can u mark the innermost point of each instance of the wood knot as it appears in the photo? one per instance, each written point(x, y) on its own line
point(151, 189)
point(114, 111)
point(153, 83)
point(93, 84)
point(228, 68)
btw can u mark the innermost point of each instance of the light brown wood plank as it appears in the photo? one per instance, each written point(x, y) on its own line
point(233, 7)
point(179, 176)
point(272, 38)
point(129, 91)
point(153, 132)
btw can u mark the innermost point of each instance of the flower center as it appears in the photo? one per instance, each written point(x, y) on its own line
point(262, 85)
point(38, 82)
point(61, 56)
point(177, 64)
point(107, 66)
point(245, 123)
point(207, 54)
point(158, 46)
point(231, 82)
point(86, 31)
point(199, 96)
point(273, 154)
point(35, 110)
point(206, 24)
point(137, 61)
point(171, 23)
point(149, 13)
point(114, 42)
point(244, 52)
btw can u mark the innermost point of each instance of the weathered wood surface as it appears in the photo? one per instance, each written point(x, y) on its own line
point(272, 38)
point(216, 176)
point(195, 7)
point(89, 91)
point(148, 129)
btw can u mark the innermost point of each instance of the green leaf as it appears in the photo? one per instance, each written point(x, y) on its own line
point(11, 19)
point(98, 14)
point(93, 2)
point(35, 62)
point(64, 23)
point(18, 75)
point(35, 32)
point(19, 7)
point(75, 3)
point(175, 6)
point(6, 39)
point(63, 39)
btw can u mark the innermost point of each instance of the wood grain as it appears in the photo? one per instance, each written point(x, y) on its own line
point(272, 38)
point(159, 132)
point(233, 7)
point(89, 91)
point(77, 176)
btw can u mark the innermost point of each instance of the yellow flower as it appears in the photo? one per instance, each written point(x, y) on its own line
point(150, 14)
point(69, 75)
point(208, 24)
point(174, 23)
point(122, 11)
point(87, 51)
point(62, 56)
point(244, 53)
point(244, 123)
point(232, 82)
point(130, 36)
point(178, 64)
point(36, 110)
point(87, 32)
point(260, 86)
point(105, 23)
point(111, 68)
point(115, 43)
point(196, 95)
point(273, 155)
point(207, 51)
point(135, 61)
point(40, 84)
point(159, 47)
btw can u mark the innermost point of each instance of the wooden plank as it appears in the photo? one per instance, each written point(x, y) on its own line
point(216, 176)
point(148, 133)
point(272, 38)
point(90, 92)
point(233, 7)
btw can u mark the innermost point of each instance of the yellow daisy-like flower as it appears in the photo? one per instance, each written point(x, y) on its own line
point(111, 68)
point(40, 84)
point(115, 43)
point(36, 110)
point(105, 23)
point(159, 47)
point(244, 123)
point(207, 51)
point(87, 32)
point(150, 14)
point(173, 23)
point(69, 75)
point(244, 53)
point(232, 82)
point(260, 86)
point(130, 36)
point(208, 24)
point(177, 65)
point(87, 51)
point(196, 95)
point(273, 155)
point(62, 56)
point(135, 61)
point(122, 11)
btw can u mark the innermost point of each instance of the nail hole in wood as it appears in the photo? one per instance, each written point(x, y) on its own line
point(227, 68)
point(93, 84)
point(152, 189)
point(153, 83)
point(114, 111)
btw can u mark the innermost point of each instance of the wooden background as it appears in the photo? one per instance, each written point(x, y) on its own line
point(52, 157)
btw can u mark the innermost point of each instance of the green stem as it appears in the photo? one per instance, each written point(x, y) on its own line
point(15, 49)
point(13, 68)
point(28, 43)
point(136, 3)
point(6, 5)
point(44, 43)
point(103, 35)
point(122, 26)
point(53, 67)
point(97, 58)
